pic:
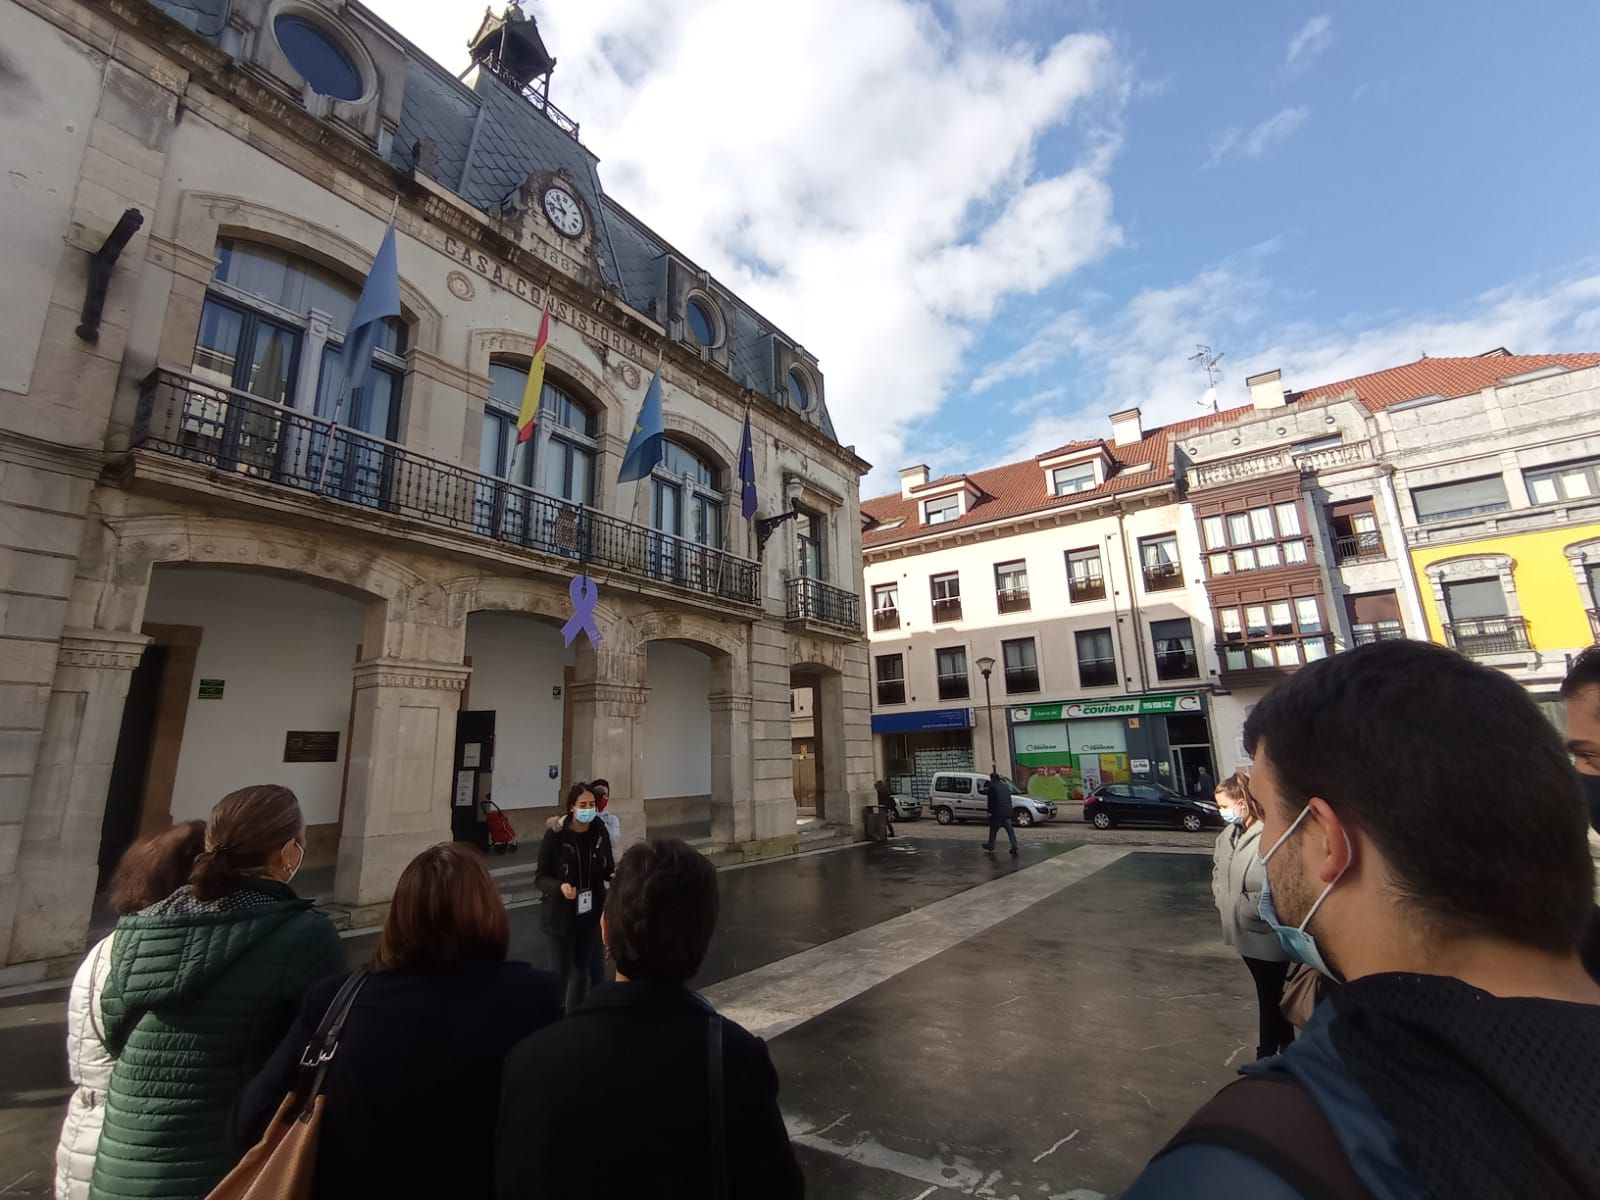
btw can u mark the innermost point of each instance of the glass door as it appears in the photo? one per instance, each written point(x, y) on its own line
point(667, 511)
point(247, 352)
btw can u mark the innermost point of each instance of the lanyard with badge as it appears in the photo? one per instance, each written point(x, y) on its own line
point(585, 894)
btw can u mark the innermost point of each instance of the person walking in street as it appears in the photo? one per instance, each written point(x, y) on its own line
point(575, 865)
point(150, 870)
point(696, 1093)
point(1460, 1057)
point(998, 793)
point(1237, 876)
point(201, 987)
point(1203, 783)
point(410, 1101)
point(885, 802)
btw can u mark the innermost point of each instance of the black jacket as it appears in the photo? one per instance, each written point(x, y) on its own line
point(999, 796)
point(412, 1093)
point(632, 1060)
point(581, 857)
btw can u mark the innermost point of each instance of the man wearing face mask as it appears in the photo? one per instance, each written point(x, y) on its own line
point(1461, 1058)
point(1580, 694)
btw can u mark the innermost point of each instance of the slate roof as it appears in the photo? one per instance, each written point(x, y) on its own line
point(487, 139)
point(1447, 377)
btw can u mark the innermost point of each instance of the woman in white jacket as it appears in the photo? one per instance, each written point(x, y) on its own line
point(1237, 876)
point(151, 870)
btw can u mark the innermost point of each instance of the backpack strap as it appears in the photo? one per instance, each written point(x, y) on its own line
point(719, 1132)
point(1274, 1122)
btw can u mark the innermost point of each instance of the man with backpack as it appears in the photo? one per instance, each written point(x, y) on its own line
point(1425, 843)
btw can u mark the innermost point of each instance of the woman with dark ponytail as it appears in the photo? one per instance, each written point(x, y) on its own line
point(202, 986)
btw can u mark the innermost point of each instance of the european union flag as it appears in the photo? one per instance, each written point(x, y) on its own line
point(747, 470)
point(644, 447)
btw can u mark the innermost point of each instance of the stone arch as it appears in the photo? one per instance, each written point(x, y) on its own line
point(1473, 566)
point(561, 367)
point(706, 441)
point(203, 217)
point(550, 601)
point(713, 637)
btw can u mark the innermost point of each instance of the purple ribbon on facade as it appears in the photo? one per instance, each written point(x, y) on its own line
point(585, 595)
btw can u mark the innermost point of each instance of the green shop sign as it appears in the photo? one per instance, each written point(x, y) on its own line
point(1123, 706)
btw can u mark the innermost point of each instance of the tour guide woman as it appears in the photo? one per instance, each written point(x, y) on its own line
point(575, 864)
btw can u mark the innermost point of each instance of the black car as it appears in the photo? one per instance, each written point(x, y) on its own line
point(1147, 804)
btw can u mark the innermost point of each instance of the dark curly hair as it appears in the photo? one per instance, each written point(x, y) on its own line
point(661, 911)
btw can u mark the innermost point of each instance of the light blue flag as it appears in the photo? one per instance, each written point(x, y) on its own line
point(644, 447)
point(380, 299)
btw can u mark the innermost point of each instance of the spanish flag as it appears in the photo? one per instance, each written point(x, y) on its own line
point(529, 416)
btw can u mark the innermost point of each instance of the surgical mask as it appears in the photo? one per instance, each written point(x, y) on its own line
point(1591, 793)
point(1231, 816)
point(584, 815)
point(298, 863)
point(1296, 940)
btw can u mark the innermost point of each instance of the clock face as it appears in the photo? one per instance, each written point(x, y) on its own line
point(563, 211)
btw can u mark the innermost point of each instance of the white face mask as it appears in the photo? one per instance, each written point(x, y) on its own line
point(295, 870)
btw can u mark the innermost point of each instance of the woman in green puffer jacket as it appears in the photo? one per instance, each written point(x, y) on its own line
point(202, 987)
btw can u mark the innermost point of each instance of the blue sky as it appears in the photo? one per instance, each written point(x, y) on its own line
point(997, 221)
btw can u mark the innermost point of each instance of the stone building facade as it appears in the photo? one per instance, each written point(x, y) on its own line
point(219, 569)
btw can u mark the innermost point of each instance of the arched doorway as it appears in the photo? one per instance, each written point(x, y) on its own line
point(677, 727)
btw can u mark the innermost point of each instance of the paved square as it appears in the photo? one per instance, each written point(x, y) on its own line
point(945, 1022)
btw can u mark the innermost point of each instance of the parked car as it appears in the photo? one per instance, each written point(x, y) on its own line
point(963, 796)
point(1113, 804)
point(906, 808)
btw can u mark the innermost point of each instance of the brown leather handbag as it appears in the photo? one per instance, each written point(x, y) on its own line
point(283, 1164)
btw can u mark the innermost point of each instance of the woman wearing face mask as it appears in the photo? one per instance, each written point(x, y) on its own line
point(575, 864)
point(202, 986)
point(1237, 877)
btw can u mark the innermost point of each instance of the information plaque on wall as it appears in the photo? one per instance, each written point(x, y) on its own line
point(309, 746)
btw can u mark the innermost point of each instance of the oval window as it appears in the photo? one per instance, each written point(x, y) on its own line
point(701, 327)
point(799, 393)
point(321, 61)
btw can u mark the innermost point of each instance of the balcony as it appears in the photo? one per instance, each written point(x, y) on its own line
point(1177, 664)
point(1280, 458)
point(252, 441)
point(1012, 600)
point(1097, 672)
point(884, 619)
point(1088, 587)
point(1162, 577)
point(1480, 637)
point(1365, 635)
point(1356, 547)
point(946, 608)
point(813, 602)
point(891, 691)
point(953, 687)
point(1020, 680)
point(1270, 657)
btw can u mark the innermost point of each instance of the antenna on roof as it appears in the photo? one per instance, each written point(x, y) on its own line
point(1208, 363)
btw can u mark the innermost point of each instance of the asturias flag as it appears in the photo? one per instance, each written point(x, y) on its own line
point(528, 417)
point(644, 447)
point(747, 470)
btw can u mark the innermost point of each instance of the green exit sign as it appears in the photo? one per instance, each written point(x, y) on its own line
point(211, 689)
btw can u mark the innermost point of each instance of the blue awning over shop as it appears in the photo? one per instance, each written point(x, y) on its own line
point(917, 722)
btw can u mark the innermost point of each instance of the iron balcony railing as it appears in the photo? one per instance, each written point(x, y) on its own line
point(1097, 672)
point(1086, 587)
point(812, 600)
point(1177, 664)
point(954, 687)
point(1365, 635)
point(1013, 600)
point(1161, 577)
point(234, 432)
point(885, 618)
point(946, 608)
point(1351, 547)
point(1022, 679)
point(891, 691)
point(1478, 636)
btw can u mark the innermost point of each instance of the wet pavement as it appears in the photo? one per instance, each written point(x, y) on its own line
point(944, 1021)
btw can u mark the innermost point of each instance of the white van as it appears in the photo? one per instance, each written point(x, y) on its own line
point(963, 796)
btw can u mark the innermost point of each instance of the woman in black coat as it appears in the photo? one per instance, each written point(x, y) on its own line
point(413, 1094)
point(575, 865)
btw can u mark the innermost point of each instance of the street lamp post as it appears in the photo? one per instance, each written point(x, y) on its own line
point(986, 665)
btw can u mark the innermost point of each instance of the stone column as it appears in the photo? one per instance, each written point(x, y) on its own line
point(58, 866)
point(732, 769)
point(828, 720)
point(608, 698)
point(402, 754)
point(771, 733)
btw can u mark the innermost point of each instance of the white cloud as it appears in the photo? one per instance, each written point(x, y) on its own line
point(860, 173)
point(1139, 356)
point(1312, 38)
point(1237, 141)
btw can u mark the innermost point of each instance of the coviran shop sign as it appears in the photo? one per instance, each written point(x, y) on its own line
point(1122, 706)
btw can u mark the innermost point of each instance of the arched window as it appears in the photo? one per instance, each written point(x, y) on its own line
point(686, 495)
point(799, 390)
point(559, 459)
point(257, 335)
point(701, 321)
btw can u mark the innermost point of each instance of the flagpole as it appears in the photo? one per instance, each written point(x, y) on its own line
point(344, 384)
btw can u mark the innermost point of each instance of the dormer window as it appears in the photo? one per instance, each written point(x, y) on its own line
point(701, 318)
point(317, 53)
point(1079, 477)
point(799, 390)
point(945, 508)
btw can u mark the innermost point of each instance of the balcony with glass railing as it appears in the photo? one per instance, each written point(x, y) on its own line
point(1270, 655)
point(251, 442)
